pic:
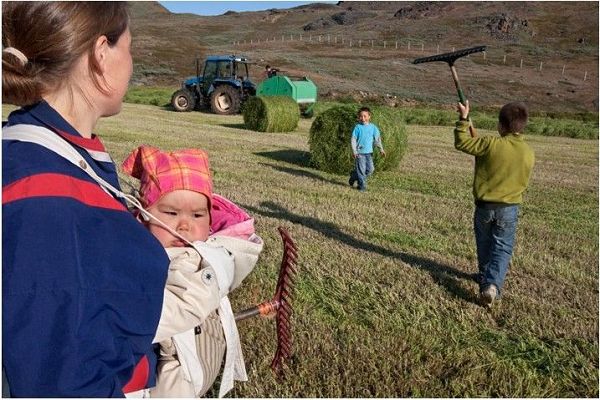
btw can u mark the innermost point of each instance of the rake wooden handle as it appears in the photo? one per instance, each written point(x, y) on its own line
point(461, 97)
point(263, 309)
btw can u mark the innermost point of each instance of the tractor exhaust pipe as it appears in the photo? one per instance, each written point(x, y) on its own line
point(450, 58)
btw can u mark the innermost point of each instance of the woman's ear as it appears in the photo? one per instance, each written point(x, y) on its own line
point(101, 52)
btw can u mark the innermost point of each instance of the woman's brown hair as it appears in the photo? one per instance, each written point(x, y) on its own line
point(53, 36)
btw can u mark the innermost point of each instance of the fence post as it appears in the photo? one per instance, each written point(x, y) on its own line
point(540, 65)
point(585, 76)
point(563, 71)
point(453, 49)
point(384, 44)
point(300, 37)
point(328, 38)
point(335, 39)
point(291, 38)
point(484, 55)
point(319, 38)
point(521, 65)
point(310, 38)
point(371, 43)
point(396, 44)
point(422, 47)
point(359, 43)
point(438, 49)
point(282, 38)
point(504, 59)
point(409, 45)
point(350, 42)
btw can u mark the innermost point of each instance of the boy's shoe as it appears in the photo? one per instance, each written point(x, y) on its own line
point(351, 182)
point(488, 295)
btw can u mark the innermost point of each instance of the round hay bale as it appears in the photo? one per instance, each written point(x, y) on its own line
point(271, 114)
point(331, 131)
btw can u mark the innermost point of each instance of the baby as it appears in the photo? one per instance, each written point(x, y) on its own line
point(212, 247)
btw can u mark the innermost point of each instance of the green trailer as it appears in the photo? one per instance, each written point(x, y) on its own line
point(302, 90)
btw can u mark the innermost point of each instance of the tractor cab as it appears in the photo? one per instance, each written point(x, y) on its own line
point(225, 70)
point(224, 85)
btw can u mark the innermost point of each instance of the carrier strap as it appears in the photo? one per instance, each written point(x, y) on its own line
point(50, 140)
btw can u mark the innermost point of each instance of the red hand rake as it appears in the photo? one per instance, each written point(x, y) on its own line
point(280, 304)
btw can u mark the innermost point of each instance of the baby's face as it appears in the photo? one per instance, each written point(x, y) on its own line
point(184, 211)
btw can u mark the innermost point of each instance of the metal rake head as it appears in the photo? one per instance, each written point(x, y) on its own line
point(450, 57)
point(283, 297)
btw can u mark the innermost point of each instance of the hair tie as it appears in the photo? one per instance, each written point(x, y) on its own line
point(17, 53)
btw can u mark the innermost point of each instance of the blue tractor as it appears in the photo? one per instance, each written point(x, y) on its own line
point(223, 86)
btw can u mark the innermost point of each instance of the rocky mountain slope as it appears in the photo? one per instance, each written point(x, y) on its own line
point(543, 52)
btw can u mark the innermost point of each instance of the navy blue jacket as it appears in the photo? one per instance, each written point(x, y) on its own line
point(82, 280)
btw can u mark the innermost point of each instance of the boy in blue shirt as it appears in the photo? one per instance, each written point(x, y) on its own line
point(364, 135)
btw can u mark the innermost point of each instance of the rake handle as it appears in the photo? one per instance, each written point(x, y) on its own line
point(461, 96)
point(263, 309)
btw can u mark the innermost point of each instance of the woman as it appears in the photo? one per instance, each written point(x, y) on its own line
point(83, 281)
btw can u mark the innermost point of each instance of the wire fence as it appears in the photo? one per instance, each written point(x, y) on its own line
point(415, 47)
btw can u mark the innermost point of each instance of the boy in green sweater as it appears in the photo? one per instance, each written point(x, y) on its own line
point(503, 167)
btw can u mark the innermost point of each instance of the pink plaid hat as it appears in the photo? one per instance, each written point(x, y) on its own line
point(163, 172)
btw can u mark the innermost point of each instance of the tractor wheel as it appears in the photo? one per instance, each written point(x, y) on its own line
point(183, 100)
point(225, 100)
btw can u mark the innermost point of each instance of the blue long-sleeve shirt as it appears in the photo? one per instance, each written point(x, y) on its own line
point(363, 138)
point(82, 280)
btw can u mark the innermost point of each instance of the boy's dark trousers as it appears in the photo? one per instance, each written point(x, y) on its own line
point(495, 229)
point(363, 168)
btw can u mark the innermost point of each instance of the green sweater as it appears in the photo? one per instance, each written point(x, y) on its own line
point(503, 164)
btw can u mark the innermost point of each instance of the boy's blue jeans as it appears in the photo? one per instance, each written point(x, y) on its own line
point(495, 231)
point(363, 167)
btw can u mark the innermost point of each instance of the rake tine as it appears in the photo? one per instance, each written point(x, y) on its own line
point(283, 295)
point(280, 304)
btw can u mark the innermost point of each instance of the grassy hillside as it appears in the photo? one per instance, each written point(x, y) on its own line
point(557, 41)
point(385, 305)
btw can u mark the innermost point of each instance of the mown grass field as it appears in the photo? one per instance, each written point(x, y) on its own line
point(385, 305)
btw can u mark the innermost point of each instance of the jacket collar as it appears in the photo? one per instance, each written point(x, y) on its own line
point(42, 114)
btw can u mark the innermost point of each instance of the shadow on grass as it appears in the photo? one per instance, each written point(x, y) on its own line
point(296, 157)
point(235, 126)
point(442, 275)
point(169, 107)
point(302, 173)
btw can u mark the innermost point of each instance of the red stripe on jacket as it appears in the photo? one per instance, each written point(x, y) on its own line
point(139, 378)
point(58, 185)
point(91, 144)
